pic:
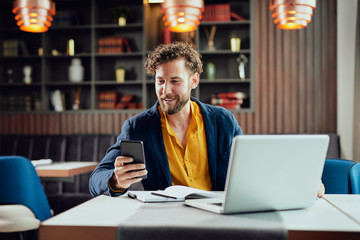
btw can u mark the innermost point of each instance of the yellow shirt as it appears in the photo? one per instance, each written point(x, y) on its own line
point(189, 165)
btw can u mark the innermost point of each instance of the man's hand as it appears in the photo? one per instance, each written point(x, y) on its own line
point(321, 190)
point(122, 178)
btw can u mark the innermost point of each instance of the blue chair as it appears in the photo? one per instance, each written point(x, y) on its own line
point(23, 203)
point(336, 176)
point(354, 176)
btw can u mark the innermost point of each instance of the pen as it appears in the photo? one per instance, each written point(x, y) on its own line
point(162, 195)
point(131, 195)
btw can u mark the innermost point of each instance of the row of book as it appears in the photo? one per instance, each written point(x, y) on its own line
point(17, 103)
point(220, 12)
point(109, 99)
point(14, 48)
point(228, 100)
point(113, 44)
point(216, 12)
point(66, 18)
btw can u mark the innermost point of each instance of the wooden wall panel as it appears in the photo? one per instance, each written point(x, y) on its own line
point(295, 84)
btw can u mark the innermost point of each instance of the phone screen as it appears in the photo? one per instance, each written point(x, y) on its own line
point(134, 149)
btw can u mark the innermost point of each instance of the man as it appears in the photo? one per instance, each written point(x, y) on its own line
point(186, 142)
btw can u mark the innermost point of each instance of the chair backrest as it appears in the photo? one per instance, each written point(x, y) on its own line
point(20, 184)
point(354, 176)
point(336, 176)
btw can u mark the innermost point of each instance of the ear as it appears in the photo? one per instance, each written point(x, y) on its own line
point(194, 80)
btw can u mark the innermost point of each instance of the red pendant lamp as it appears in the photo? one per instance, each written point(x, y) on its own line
point(292, 14)
point(182, 15)
point(34, 15)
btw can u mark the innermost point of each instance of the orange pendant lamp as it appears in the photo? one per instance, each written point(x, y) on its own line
point(182, 15)
point(34, 15)
point(292, 14)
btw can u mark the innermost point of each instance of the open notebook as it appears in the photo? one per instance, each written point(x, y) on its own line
point(270, 172)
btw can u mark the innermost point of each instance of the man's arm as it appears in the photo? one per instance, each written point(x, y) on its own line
point(99, 180)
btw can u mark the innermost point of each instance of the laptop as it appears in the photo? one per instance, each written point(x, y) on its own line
point(270, 172)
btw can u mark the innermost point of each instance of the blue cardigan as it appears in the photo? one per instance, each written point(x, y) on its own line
point(220, 128)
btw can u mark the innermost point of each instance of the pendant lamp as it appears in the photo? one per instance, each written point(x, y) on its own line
point(292, 14)
point(182, 15)
point(34, 15)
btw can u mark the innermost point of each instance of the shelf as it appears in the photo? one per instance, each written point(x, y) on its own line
point(16, 84)
point(70, 28)
point(130, 26)
point(93, 24)
point(22, 57)
point(229, 80)
point(78, 55)
point(113, 82)
point(225, 23)
point(223, 52)
point(124, 54)
point(84, 83)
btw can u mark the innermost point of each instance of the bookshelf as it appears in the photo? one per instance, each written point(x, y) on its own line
point(90, 23)
point(226, 63)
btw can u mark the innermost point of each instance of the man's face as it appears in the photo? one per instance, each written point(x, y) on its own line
point(173, 84)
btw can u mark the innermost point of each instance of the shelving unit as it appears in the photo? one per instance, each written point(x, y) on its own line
point(88, 21)
point(226, 65)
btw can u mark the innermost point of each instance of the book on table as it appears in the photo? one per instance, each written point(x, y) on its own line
point(175, 193)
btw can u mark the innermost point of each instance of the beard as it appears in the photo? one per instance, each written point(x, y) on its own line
point(181, 102)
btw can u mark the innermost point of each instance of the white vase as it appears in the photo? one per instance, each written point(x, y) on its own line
point(76, 71)
point(27, 74)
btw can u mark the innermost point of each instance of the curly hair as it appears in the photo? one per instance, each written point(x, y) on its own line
point(177, 50)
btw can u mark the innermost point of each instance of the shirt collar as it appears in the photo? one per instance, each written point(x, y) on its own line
point(194, 108)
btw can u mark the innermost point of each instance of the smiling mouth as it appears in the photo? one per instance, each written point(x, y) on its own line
point(169, 98)
point(168, 101)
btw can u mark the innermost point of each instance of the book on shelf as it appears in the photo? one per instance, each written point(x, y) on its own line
point(17, 103)
point(107, 99)
point(14, 48)
point(113, 44)
point(237, 17)
point(66, 18)
point(111, 99)
point(228, 100)
point(177, 193)
point(216, 12)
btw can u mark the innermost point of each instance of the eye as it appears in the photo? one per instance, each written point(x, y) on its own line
point(175, 81)
point(160, 81)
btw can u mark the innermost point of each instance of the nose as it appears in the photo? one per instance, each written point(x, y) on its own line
point(166, 88)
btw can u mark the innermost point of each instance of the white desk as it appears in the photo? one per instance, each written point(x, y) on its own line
point(65, 169)
point(100, 217)
point(348, 204)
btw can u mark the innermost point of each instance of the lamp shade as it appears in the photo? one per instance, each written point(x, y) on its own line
point(292, 14)
point(34, 15)
point(182, 15)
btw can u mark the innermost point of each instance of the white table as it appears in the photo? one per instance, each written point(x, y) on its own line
point(65, 169)
point(348, 204)
point(100, 217)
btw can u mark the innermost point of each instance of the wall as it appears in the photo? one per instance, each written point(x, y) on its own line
point(295, 74)
point(345, 75)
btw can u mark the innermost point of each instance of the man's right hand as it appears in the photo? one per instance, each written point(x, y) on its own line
point(122, 178)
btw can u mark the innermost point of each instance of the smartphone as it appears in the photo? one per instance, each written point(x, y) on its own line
point(134, 149)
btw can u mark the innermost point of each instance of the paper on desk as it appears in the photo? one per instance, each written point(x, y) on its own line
point(41, 162)
point(148, 197)
point(185, 192)
point(175, 193)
